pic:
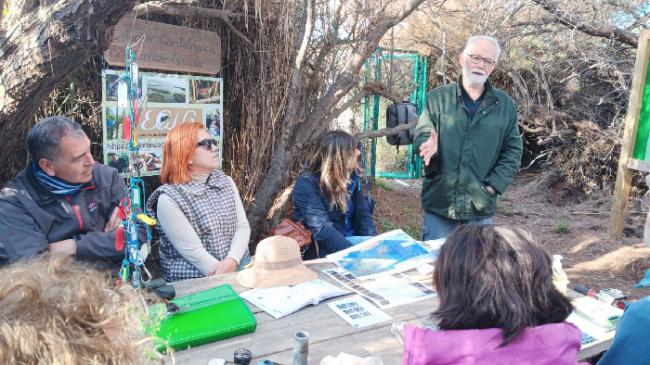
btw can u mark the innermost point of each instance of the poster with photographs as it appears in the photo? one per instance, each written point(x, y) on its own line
point(167, 100)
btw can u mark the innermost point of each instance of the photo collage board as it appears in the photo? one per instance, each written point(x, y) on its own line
point(167, 100)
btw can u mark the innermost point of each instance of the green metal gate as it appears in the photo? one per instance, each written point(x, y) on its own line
point(405, 72)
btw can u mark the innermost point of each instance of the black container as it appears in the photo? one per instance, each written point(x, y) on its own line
point(242, 356)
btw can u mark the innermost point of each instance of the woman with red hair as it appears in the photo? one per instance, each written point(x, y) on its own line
point(201, 218)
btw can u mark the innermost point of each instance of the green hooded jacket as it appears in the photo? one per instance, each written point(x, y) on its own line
point(471, 153)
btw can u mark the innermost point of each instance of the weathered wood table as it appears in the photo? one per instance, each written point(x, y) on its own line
point(329, 334)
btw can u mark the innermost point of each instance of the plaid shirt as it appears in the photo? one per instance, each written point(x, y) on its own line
point(210, 208)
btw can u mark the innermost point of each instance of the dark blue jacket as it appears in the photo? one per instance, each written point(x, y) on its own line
point(327, 224)
point(630, 345)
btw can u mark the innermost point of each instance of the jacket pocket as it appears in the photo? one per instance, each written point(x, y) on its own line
point(483, 203)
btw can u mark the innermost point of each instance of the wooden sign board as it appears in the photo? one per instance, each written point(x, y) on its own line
point(165, 47)
point(635, 151)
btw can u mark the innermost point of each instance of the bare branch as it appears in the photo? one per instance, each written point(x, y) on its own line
point(348, 76)
point(603, 31)
point(371, 88)
point(308, 26)
point(377, 88)
point(387, 131)
point(186, 9)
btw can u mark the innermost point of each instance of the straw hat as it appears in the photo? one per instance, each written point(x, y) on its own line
point(277, 262)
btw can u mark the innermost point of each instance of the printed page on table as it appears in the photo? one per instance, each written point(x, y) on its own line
point(388, 290)
point(387, 253)
point(358, 312)
point(433, 246)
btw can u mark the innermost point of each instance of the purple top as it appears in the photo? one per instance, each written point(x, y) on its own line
point(550, 344)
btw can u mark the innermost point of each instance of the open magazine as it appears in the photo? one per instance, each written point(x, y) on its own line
point(389, 252)
point(284, 300)
point(597, 320)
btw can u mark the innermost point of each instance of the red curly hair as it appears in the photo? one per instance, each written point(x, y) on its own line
point(179, 149)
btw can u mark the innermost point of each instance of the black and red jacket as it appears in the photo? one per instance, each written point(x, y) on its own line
point(31, 217)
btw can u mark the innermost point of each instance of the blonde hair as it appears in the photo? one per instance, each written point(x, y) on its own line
point(331, 157)
point(55, 311)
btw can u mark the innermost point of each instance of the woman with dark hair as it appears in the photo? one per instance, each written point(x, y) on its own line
point(328, 195)
point(498, 304)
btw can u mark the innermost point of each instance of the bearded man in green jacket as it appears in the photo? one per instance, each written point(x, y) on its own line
point(469, 140)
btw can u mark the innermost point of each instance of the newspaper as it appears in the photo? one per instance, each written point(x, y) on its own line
point(388, 290)
point(284, 300)
point(387, 253)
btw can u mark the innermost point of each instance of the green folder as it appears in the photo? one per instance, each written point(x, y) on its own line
point(204, 317)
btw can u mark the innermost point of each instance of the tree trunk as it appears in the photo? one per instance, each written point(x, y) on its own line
point(305, 120)
point(37, 53)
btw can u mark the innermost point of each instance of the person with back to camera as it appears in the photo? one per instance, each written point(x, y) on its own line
point(201, 218)
point(328, 196)
point(498, 304)
point(54, 310)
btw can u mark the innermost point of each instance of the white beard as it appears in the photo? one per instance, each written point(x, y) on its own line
point(476, 79)
point(473, 79)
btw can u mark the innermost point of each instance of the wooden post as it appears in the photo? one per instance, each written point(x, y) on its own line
point(624, 173)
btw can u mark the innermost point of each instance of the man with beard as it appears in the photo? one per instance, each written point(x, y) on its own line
point(62, 201)
point(468, 138)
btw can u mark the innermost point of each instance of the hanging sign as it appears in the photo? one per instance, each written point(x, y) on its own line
point(160, 46)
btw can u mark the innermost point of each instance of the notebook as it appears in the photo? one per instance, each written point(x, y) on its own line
point(204, 317)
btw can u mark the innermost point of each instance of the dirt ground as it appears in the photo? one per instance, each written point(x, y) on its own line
point(563, 220)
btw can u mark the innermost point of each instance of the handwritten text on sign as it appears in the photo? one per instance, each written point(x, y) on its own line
point(166, 47)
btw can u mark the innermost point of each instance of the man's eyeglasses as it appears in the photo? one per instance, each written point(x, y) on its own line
point(208, 143)
point(477, 60)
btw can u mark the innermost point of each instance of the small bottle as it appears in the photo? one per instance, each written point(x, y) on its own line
point(242, 356)
point(301, 348)
point(560, 278)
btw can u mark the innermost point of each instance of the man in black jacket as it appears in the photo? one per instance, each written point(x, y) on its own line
point(62, 201)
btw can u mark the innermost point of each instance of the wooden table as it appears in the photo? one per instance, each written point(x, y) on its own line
point(329, 334)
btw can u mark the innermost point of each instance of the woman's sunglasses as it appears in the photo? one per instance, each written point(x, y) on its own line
point(208, 143)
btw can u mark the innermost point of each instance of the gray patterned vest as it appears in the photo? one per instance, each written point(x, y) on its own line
point(210, 208)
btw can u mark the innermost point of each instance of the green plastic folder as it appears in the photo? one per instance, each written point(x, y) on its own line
point(205, 317)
